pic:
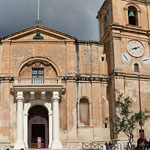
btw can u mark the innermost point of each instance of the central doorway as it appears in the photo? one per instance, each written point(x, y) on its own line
point(38, 130)
point(38, 126)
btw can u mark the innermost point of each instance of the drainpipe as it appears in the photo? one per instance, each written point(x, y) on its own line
point(77, 84)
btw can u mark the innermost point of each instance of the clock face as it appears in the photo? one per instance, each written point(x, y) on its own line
point(135, 48)
point(126, 58)
point(145, 60)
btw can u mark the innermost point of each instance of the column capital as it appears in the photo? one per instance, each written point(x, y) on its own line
point(32, 95)
point(55, 95)
point(26, 114)
point(50, 114)
point(20, 95)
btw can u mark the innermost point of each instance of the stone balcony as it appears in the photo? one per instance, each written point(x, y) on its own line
point(28, 84)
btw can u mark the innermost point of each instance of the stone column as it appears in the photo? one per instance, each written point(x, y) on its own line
point(50, 130)
point(26, 130)
point(19, 143)
point(56, 144)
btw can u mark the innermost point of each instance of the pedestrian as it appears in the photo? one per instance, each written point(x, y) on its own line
point(140, 144)
point(146, 144)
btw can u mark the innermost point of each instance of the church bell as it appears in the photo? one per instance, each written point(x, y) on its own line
point(131, 13)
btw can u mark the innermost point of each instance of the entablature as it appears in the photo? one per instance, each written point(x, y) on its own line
point(117, 30)
point(86, 77)
point(130, 75)
point(37, 89)
point(130, 29)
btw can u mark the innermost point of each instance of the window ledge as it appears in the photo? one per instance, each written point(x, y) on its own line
point(85, 126)
point(133, 26)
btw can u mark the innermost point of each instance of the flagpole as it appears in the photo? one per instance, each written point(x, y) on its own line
point(38, 17)
point(38, 14)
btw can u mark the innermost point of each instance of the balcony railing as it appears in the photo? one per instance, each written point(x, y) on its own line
point(37, 81)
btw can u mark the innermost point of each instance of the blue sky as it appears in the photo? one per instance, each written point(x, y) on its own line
point(74, 17)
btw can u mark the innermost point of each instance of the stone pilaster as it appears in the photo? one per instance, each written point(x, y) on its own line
point(50, 130)
point(20, 142)
point(56, 144)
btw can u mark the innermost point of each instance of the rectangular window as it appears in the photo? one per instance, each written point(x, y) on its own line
point(103, 58)
point(38, 73)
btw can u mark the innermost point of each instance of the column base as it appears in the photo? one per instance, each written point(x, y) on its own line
point(19, 145)
point(50, 145)
point(56, 145)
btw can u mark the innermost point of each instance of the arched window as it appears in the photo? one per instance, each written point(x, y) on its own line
point(132, 15)
point(84, 111)
point(136, 68)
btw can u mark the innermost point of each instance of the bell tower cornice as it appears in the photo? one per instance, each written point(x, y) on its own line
point(138, 1)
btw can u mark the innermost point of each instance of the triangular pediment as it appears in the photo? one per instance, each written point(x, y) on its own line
point(46, 33)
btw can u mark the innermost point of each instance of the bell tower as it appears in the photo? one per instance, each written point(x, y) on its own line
point(124, 29)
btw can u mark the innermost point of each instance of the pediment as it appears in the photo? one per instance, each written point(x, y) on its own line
point(46, 33)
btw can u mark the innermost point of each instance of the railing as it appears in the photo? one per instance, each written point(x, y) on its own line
point(37, 81)
point(118, 145)
point(92, 146)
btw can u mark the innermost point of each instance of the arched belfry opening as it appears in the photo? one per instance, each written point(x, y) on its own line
point(132, 15)
point(38, 126)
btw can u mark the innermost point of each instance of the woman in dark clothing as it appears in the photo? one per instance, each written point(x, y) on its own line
point(140, 144)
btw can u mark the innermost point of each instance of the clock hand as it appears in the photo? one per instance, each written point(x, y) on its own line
point(125, 57)
point(135, 48)
point(145, 59)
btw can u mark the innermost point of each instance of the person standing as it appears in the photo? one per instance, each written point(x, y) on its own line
point(140, 144)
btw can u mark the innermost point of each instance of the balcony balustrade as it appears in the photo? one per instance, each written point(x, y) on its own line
point(37, 82)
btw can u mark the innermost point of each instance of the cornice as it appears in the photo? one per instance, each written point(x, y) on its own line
point(129, 75)
point(72, 77)
point(139, 1)
point(130, 29)
point(10, 79)
point(37, 41)
point(88, 42)
point(34, 29)
point(86, 78)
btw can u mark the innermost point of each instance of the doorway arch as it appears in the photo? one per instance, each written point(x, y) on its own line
point(27, 107)
point(38, 126)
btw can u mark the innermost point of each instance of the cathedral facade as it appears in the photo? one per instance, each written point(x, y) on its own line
point(60, 89)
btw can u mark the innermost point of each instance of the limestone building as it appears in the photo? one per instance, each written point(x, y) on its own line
point(61, 89)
